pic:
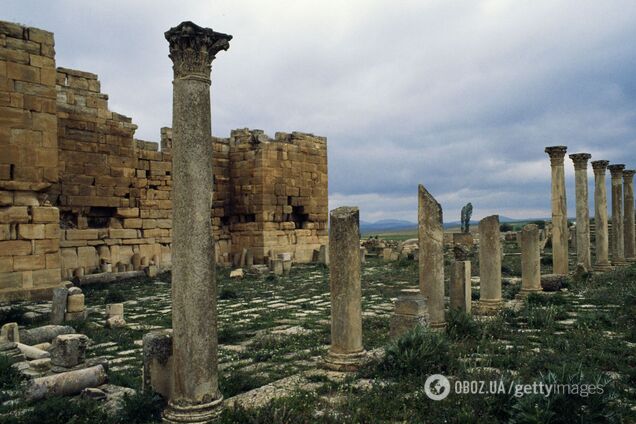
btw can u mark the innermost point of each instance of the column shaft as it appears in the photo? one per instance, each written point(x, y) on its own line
point(431, 255)
point(344, 282)
point(583, 253)
point(559, 211)
point(530, 259)
point(489, 264)
point(600, 217)
point(628, 216)
point(195, 393)
point(618, 236)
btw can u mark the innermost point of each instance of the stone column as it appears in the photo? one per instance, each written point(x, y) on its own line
point(346, 351)
point(628, 216)
point(530, 259)
point(601, 263)
point(618, 237)
point(559, 211)
point(489, 264)
point(583, 254)
point(195, 395)
point(431, 255)
point(460, 286)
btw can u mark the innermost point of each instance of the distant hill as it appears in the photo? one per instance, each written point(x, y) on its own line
point(399, 225)
point(386, 225)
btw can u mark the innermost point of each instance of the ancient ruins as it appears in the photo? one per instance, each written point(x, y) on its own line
point(204, 277)
point(80, 195)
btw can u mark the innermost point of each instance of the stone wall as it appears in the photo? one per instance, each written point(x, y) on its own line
point(29, 232)
point(79, 194)
point(114, 191)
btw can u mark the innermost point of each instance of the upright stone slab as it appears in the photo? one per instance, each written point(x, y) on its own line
point(10, 333)
point(618, 236)
point(628, 216)
point(346, 351)
point(195, 395)
point(431, 255)
point(583, 253)
point(530, 259)
point(58, 306)
point(158, 363)
point(601, 234)
point(559, 210)
point(489, 265)
point(460, 286)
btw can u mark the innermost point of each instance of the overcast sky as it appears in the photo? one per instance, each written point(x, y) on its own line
point(461, 96)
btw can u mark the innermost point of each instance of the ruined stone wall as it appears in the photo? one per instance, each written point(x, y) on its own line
point(114, 191)
point(29, 235)
point(270, 195)
point(279, 194)
point(78, 192)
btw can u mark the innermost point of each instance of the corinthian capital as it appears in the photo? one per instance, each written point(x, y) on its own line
point(557, 153)
point(192, 49)
point(580, 160)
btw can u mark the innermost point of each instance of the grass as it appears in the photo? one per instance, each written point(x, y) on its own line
point(527, 345)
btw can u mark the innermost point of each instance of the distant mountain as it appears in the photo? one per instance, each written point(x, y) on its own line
point(387, 225)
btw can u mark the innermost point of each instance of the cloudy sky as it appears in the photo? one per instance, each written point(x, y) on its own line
point(460, 96)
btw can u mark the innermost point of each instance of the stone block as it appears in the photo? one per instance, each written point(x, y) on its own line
point(29, 263)
point(14, 214)
point(157, 358)
point(46, 277)
point(16, 248)
point(87, 257)
point(75, 303)
point(46, 246)
point(25, 198)
point(31, 231)
point(44, 214)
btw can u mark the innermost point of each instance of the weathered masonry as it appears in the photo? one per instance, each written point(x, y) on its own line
point(78, 192)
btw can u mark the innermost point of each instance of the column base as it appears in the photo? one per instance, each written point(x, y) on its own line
point(620, 262)
point(344, 362)
point(524, 292)
point(489, 307)
point(603, 267)
point(196, 413)
point(630, 260)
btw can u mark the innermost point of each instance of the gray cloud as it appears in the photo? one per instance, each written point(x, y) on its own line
point(460, 96)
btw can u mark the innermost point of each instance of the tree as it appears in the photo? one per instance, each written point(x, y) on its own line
point(467, 212)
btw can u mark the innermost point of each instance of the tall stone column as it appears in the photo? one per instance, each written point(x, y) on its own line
point(583, 254)
point(628, 216)
point(601, 263)
point(195, 395)
point(431, 255)
point(618, 237)
point(489, 264)
point(530, 259)
point(346, 351)
point(559, 211)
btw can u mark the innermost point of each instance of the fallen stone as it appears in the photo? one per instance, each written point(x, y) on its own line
point(237, 273)
point(67, 383)
point(44, 334)
point(115, 322)
point(68, 350)
point(553, 282)
point(31, 352)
